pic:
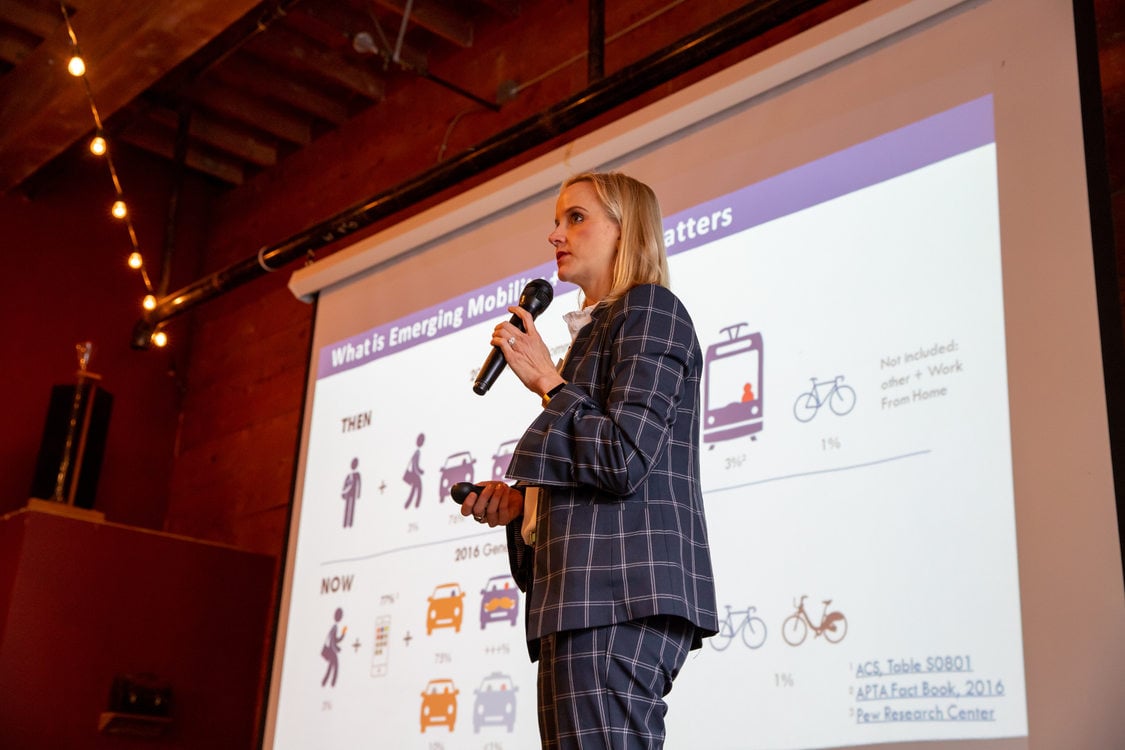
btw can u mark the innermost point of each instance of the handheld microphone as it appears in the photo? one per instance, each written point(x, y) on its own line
point(534, 298)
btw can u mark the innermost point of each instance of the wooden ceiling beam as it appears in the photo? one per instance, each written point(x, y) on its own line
point(280, 45)
point(128, 46)
point(509, 8)
point(330, 27)
point(151, 137)
point(333, 14)
point(255, 113)
point(30, 18)
point(14, 48)
point(438, 18)
point(202, 128)
point(246, 72)
point(337, 15)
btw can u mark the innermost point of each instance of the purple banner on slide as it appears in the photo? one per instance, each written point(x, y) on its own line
point(491, 302)
point(938, 137)
point(941, 136)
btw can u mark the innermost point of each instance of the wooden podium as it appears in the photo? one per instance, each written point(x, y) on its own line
point(83, 602)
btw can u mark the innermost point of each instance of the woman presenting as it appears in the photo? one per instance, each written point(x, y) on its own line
point(606, 531)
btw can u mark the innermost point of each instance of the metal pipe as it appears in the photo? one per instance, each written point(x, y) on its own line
point(179, 158)
point(595, 42)
point(458, 90)
point(726, 33)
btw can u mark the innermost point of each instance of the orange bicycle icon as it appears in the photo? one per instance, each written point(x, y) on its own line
point(833, 625)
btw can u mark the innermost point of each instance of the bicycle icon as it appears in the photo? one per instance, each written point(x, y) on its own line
point(833, 625)
point(753, 629)
point(840, 399)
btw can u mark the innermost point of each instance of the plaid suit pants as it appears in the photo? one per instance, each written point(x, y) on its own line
point(603, 688)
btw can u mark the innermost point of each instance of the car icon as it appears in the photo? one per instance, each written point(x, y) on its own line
point(439, 704)
point(458, 467)
point(499, 600)
point(502, 458)
point(495, 703)
point(446, 607)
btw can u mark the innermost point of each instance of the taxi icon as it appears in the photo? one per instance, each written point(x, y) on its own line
point(495, 702)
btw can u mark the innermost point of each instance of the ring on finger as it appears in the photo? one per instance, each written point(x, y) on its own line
point(512, 341)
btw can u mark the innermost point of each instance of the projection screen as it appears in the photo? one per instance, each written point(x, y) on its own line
point(881, 230)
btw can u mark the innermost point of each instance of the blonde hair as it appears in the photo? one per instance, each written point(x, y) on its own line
point(632, 205)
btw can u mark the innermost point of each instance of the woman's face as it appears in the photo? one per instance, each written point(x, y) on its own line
point(585, 240)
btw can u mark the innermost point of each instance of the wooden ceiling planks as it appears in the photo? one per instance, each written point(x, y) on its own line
point(127, 45)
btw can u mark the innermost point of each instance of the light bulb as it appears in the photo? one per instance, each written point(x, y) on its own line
point(119, 209)
point(76, 67)
point(149, 302)
point(97, 145)
point(160, 338)
point(362, 43)
point(135, 260)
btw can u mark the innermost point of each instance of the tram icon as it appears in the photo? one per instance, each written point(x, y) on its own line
point(732, 388)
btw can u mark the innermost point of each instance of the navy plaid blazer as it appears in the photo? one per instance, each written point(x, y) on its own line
point(620, 531)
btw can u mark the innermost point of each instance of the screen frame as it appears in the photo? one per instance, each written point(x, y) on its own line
point(820, 46)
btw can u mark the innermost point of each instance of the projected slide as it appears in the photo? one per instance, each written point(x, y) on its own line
point(856, 467)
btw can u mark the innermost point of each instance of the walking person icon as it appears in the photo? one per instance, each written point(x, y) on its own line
point(413, 473)
point(331, 649)
point(350, 493)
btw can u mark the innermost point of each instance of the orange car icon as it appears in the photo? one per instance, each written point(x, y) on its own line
point(439, 704)
point(446, 607)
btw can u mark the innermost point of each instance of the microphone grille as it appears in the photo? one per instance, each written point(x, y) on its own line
point(537, 295)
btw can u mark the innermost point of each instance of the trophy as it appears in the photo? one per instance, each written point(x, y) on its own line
point(74, 437)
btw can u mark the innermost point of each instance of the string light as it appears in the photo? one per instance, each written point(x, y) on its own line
point(76, 66)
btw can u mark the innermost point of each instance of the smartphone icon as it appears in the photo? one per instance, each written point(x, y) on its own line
point(379, 657)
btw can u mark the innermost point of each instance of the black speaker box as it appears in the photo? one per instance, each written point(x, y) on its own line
point(73, 444)
point(142, 694)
